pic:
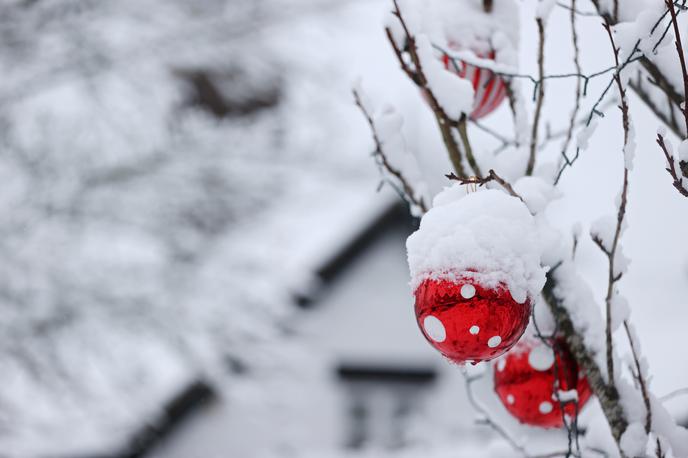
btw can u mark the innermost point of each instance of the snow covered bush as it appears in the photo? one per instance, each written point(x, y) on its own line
point(461, 55)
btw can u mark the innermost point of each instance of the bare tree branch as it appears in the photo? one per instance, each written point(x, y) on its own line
point(468, 150)
point(610, 252)
point(491, 176)
point(576, 63)
point(540, 97)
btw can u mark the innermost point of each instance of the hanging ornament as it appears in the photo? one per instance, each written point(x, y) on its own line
point(466, 321)
point(490, 89)
point(475, 267)
point(539, 384)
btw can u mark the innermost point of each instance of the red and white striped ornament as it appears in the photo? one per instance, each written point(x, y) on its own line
point(490, 89)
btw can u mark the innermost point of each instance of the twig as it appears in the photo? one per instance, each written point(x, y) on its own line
point(480, 181)
point(673, 394)
point(678, 181)
point(640, 378)
point(540, 97)
point(544, 141)
point(409, 194)
point(576, 62)
point(671, 168)
point(486, 64)
point(573, 9)
point(595, 111)
point(660, 111)
point(463, 133)
point(661, 81)
point(610, 252)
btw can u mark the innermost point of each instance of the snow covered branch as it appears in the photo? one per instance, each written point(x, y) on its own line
point(672, 168)
point(678, 173)
point(442, 91)
point(681, 57)
point(407, 191)
point(607, 393)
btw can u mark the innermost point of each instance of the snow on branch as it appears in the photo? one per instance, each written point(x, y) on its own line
point(672, 167)
point(682, 167)
point(405, 188)
point(449, 97)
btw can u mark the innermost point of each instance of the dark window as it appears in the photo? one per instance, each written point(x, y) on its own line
point(380, 401)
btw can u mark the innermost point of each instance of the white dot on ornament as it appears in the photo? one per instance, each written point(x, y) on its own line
point(494, 341)
point(519, 295)
point(501, 364)
point(467, 291)
point(434, 328)
point(510, 399)
point(541, 358)
point(546, 407)
point(474, 329)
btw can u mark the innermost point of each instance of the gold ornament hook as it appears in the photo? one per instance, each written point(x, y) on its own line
point(472, 184)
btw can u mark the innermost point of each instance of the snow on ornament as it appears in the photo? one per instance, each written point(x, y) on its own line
point(490, 89)
point(475, 267)
point(524, 380)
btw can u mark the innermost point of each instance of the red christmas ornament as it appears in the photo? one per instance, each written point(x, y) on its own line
point(524, 381)
point(467, 322)
point(490, 89)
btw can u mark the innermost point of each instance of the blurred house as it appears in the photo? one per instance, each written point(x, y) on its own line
point(362, 315)
point(371, 372)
